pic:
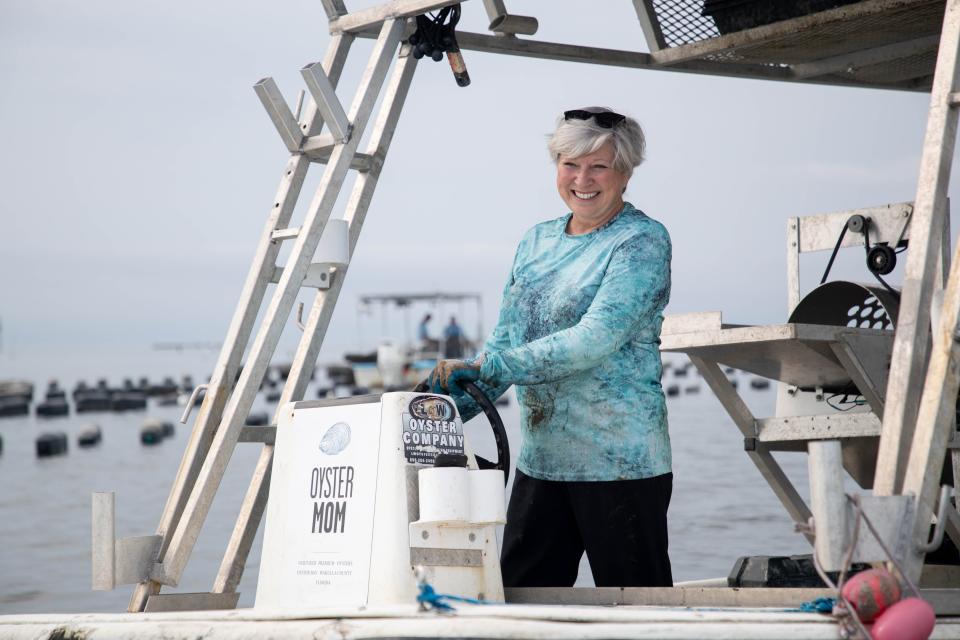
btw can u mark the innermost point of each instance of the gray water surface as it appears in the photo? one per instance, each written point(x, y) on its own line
point(721, 507)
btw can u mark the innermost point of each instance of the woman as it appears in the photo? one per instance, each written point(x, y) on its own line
point(578, 334)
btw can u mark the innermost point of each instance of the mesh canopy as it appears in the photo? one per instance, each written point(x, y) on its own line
point(867, 32)
point(682, 23)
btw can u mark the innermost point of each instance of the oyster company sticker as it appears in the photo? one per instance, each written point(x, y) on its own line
point(430, 427)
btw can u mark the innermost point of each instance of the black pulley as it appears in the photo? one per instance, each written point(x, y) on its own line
point(881, 259)
point(857, 223)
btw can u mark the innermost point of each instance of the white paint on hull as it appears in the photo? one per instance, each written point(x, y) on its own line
point(469, 621)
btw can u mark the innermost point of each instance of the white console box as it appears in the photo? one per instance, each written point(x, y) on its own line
point(343, 501)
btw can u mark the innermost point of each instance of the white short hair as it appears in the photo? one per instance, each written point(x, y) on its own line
point(574, 138)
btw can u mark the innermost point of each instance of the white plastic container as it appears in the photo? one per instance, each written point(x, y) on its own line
point(487, 496)
point(444, 494)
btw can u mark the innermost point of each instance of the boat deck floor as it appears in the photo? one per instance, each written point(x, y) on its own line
point(467, 621)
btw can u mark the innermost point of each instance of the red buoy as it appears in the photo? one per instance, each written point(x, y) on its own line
point(871, 592)
point(909, 619)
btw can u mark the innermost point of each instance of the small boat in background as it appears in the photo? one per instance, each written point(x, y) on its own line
point(402, 363)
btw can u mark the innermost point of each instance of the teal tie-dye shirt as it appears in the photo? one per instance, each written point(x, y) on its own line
point(579, 334)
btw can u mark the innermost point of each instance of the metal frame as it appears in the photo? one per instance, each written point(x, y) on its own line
point(908, 366)
point(760, 455)
point(911, 389)
point(708, 57)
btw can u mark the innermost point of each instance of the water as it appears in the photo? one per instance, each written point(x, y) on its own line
point(721, 507)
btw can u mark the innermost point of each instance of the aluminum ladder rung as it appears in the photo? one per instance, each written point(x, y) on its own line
point(318, 149)
point(285, 234)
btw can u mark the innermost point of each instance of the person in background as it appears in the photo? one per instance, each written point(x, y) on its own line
point(579, 334)
point(423, 329)
point(452, 340)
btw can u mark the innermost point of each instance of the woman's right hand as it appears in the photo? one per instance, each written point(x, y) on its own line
point(449, 373)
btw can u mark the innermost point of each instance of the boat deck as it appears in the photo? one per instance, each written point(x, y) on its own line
point(690, 613)
point(468, 621)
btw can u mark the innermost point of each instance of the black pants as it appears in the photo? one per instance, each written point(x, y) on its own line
point(622, 525)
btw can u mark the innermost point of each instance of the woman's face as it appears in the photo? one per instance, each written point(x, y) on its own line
point(591, 187)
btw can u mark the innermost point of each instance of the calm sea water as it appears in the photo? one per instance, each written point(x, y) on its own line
point(721, 507)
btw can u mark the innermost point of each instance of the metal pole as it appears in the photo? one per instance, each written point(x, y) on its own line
point(935, 419)
point(909, 358)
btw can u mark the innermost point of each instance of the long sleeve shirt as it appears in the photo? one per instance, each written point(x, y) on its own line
point(578, 333)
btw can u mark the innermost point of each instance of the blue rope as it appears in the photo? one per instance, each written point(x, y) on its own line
point(430, 599)
point(820, 605)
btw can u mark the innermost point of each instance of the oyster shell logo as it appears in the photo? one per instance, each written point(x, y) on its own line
point(431, 408)
point(336, 439)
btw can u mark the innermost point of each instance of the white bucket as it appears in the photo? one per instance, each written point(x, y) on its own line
point(444, 494)
point(487, 496)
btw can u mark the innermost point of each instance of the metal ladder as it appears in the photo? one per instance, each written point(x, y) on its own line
point(221, 418)
point(918, 417)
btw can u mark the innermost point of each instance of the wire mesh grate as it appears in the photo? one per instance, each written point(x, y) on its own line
point(847, 30)
point(682, 22)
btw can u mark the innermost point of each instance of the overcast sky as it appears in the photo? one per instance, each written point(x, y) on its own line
point(137, 166)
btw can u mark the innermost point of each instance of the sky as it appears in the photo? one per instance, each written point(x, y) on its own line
point(137, 168)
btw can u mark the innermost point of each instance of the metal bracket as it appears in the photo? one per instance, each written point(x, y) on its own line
point(261, 435)
point(439, 557)
point(334, 250)
point(325, 97)
point(191, 602)
point(193, 399)
point(318, 276)
point(891, 516)
point(511, 25)
point(834, 516)
point(938, 530)
point(115, 562)
point(300, 324)
point(908, 215)
point(280, 114)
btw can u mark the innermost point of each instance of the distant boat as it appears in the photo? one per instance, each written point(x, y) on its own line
point(402, 364)
point(10, 389)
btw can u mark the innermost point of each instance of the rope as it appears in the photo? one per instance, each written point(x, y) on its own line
point(428, 599)
point(819, 605)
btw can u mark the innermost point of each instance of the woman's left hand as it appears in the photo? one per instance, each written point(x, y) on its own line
point(448, 373)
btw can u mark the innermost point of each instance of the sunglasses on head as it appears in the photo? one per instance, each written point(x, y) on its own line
point(605, 119)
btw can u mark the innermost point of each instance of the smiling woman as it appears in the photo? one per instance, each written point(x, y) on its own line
point(596, 151)
point(578, 334)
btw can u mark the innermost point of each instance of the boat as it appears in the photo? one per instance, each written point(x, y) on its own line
point(402, 363)
point(415, 567)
